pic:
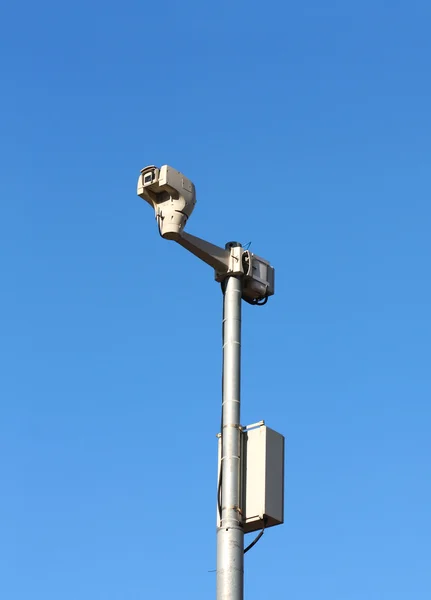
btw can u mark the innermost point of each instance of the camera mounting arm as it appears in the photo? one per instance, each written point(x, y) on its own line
point(256, 273)
point(214, 256)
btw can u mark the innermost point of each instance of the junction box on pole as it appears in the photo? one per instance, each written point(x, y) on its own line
point(262, 477)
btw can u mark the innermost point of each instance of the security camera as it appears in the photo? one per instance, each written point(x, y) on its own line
point(172, 196)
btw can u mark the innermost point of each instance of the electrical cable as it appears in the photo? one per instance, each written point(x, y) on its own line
point(223, 287)
point(219, 492)
point(260, 302)
point(159, 220)
point(256, 539)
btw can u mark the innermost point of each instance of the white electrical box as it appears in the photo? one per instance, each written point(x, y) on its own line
point(262, 461)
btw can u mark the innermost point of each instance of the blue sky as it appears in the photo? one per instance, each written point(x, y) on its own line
point(306, 129)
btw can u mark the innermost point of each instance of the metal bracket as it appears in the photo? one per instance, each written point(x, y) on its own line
point(254, 425)
point(233, 261)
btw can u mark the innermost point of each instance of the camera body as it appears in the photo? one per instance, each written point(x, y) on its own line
point(172, 196)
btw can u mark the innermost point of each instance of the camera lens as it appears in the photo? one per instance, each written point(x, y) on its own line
point(148, 178)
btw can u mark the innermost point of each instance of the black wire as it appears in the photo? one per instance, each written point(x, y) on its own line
point(256, 539)
point(223, 287)
point(219, 490)
point(159, 218)
point(261, 302)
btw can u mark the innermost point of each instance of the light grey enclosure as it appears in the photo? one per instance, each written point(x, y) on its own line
point(262, 477)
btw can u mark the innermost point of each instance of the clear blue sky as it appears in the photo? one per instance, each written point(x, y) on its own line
point(306, 128)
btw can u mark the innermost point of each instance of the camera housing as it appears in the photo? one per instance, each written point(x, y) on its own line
point(172, 196)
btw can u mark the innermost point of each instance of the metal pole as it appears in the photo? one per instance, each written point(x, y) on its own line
point(230, 534)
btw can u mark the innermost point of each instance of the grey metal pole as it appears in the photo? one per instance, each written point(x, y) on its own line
point(230, 535)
